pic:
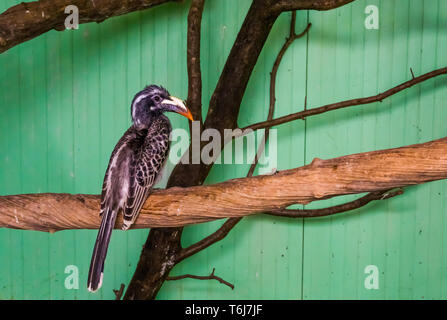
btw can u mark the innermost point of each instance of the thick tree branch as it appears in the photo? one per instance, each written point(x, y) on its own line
point(28, 20)
point(193, 58)
point(322, 179)
point(320, 5)
point(156, 261)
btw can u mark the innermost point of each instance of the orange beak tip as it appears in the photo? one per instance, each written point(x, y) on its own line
point(189, 115)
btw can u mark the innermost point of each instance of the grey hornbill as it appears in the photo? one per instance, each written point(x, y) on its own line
point(134, 167)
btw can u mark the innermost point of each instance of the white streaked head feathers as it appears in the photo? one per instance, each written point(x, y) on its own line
point(135, 103)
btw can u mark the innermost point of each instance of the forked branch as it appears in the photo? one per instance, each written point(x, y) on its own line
point(212, 276)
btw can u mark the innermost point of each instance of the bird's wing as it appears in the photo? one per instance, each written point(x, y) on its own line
point(144, 170)
point(112, 170)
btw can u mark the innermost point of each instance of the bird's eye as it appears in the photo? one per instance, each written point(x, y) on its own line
point(157, 99)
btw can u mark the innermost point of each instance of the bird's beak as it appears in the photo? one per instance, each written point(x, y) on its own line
point(176, 105)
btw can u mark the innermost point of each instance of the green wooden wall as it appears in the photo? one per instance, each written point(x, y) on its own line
point(65, 99)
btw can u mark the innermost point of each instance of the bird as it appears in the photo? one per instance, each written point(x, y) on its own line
point(134, 167)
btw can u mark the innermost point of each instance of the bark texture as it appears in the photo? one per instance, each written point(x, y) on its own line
point(322, 179)
point(28, 20)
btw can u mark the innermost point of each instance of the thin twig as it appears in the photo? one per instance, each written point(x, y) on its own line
point(289, 40)
point(119, 293)
point(209, 240)
point(352, 205)
point(346, 103)
point(212, 276)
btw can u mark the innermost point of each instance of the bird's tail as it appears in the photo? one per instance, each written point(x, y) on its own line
point(95, 273)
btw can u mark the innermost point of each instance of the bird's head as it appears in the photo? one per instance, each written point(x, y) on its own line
point(152, 101)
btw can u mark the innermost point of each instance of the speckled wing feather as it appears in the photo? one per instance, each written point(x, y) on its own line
point(106, 193)
point(145, 169)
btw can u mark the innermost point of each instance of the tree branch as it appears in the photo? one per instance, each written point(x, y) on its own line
point(212, 276)
point(322, 179)
point(320, 5)
point(352, 205)
point(193, 58)
point(216, 236)
point(347, 103)
point(28, 20)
